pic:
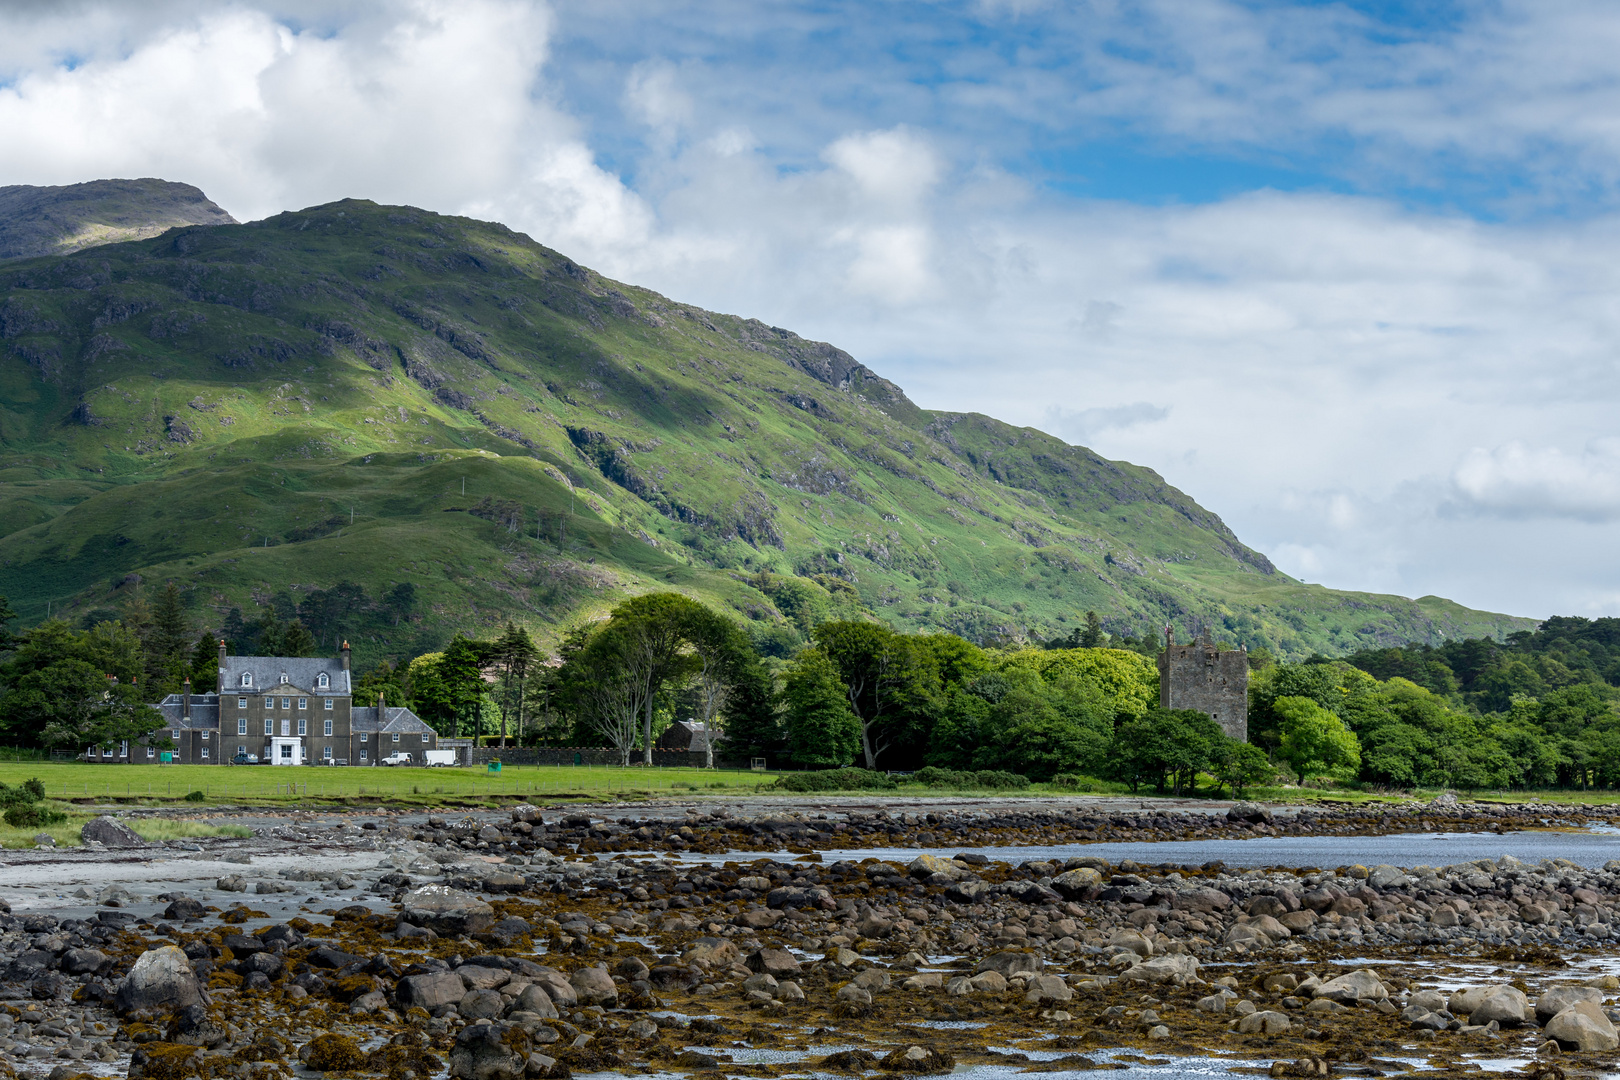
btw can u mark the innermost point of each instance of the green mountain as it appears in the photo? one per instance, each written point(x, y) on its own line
point(382, 395)
point(62, 220)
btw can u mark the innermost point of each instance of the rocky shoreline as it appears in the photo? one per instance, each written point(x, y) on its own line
point(548, 943)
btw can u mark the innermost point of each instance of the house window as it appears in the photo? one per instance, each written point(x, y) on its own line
point(362, 757)
point(241, 751)
point(320, 681)
point(205, 753)
point(241, 703)
point(247, 678)
point(303, 703)
point(269, 728)
point(241, 725)
point(286, 728)
point(365, 738)
point(205, 736)
point(176, 734)
point(283, 677)
point(328, 703)
point(286, 703)
point(396, 736)
point(328, 731)
point(326, 752)
point(303, 726)
point(123, 748)
point(150, 752)
point(424, 736)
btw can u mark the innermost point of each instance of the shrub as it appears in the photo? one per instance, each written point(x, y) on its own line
point(1070, 781)
point(32, 815)
point(195, 796)
point(836, 780)
point(25, 794)
point(994, 779)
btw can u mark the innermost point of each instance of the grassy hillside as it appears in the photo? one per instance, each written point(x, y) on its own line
point(62, 220)
point(384, 395)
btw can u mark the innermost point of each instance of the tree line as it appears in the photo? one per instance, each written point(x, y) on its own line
point(829, 686)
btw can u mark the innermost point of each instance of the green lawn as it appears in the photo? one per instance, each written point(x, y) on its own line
point(272, 785)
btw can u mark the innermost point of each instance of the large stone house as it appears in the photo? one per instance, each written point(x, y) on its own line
point(282, 710)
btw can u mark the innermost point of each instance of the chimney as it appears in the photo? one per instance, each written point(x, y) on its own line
point(382, 707)
point(345, 656)
point(221, 661)
point(185, 700)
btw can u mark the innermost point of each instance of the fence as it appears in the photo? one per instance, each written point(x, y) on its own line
point(586, 755)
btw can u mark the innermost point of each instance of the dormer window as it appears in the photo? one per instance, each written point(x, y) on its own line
point(283, 677)
point(321, 680)
point(247, 678)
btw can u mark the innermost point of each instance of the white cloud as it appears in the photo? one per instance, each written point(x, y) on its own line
point(1519, 482)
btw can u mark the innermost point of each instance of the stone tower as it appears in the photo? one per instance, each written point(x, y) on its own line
point(1200, 676)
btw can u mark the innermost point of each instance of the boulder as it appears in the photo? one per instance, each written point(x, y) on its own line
point(873, 925)
point(1553, 1000)
point(988, 982)
point(445, 910)
point(594, 986)
point(967, 891)
point(1387, 877)
point(109, 832)
point(1359, 985)
point(478, 977)
point(534, 999)
point(712, 951)
point(928, 980)
point(1164, 969)
point(855, 995)
point(1074, 883)
point(490, 1052)
point(431, 990)
point(1010, 963)
point(1047, 988)
point(924, 866)
point(1249, 813)
point(1202, 900)
point(85, 961)
point(184, 908)
point(1505, 1005)
point(1582, 1026)
point(1137, 943)
point(1264, 1023)
point(480, 1005)
point(160, 982)
point(774, 962)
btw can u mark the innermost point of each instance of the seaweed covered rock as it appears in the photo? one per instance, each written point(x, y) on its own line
point(492, 1051)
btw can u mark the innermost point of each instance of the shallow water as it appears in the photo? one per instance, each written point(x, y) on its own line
point(1590, 848)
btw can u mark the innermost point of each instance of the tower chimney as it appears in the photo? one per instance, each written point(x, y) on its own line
point(185, 699)
point(345, 656)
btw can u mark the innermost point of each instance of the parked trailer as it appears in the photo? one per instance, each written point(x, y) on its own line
point(439, 757)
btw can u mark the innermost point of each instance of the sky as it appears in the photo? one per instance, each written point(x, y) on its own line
point(1343, 272)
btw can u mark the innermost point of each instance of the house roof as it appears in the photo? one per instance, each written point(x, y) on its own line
point(394, 719)
point(686, 734)
point(204, 712)
point(303, 673)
